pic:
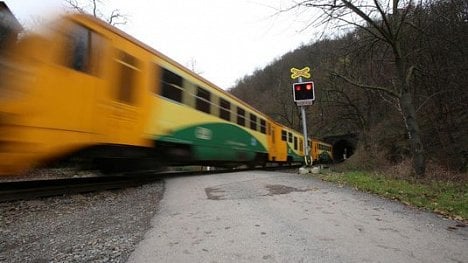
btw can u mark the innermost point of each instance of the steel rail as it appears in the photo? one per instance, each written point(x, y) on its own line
point(33, 189)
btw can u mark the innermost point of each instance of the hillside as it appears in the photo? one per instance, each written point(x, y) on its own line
point(357, 87)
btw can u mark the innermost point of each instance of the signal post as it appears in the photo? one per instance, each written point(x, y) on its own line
point(304, 95)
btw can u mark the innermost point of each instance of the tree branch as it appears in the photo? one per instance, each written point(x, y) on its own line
point(364, 86)
point(364, 16)
point(113, 18)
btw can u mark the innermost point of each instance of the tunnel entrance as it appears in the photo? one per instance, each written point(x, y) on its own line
point(343, 145)
point(342, 150)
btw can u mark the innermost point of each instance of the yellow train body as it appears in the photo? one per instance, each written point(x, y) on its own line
point(84, 85)
point(56, 108)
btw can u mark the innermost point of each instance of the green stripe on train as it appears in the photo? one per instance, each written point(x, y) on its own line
point(217, 141)
point(295, 157)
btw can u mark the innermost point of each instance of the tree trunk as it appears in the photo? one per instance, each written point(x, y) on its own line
point(409, 111)
point(417, 148)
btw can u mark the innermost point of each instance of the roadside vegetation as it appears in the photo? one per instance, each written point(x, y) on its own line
point(441, 191)
point(443, 197)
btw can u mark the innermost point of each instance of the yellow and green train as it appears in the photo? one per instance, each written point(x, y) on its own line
point(85, 89)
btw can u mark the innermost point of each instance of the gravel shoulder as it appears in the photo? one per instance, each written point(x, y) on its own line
point(92, 227)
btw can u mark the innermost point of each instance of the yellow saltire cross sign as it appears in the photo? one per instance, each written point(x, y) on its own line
point(296, 73)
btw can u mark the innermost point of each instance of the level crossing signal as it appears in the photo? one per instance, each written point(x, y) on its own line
point(299, 73)
point(304, 91)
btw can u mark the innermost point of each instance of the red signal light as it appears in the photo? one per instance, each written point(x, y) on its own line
point(304, 91)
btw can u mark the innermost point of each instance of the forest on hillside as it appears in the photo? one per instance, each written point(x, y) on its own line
point(399, 80)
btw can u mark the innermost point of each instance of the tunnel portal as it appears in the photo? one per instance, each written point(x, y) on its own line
point(342, 150)
point(343, 145)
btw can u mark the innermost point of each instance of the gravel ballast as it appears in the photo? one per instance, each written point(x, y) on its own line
point(92, 227)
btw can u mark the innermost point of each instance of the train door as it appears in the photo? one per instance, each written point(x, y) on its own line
point(314, 150)
point(271, 131)
point(126, 98)
point(69, 87)
point(278, 146)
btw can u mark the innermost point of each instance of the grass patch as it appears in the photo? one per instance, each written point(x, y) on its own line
point(446, 198)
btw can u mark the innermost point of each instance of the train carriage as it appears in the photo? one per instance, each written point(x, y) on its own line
point(87, 89)
point(200, 123)
point(321, 152)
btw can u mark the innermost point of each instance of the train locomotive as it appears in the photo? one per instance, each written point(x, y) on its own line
point(85, 90)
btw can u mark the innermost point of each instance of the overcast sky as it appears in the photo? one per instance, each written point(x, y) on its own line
point(227, 39)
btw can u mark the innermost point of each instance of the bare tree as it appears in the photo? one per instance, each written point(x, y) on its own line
point(385, 22)
point(114, 18)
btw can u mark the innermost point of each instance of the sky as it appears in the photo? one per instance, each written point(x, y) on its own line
point(222, 40)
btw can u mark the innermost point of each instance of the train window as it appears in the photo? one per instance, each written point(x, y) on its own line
point(269, 129)
point(253, 122)
point(290, 137)
point(284, 135)
point(79, 45)
point(224, 109)
point(241, 116)
point(295, 143)
point(203, 100)
point(301, 145)
point(84, 47)
point(262, 126)
point(171, 85)
point(127, 77)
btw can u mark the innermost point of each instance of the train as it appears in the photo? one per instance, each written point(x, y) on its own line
point(84, 90)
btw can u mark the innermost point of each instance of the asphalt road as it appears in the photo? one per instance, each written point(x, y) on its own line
point(262, 216)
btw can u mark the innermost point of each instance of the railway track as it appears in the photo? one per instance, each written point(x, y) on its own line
point(24, 190)
point(36, 188)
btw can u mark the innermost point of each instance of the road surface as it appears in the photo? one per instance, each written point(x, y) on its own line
point(261, 216)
